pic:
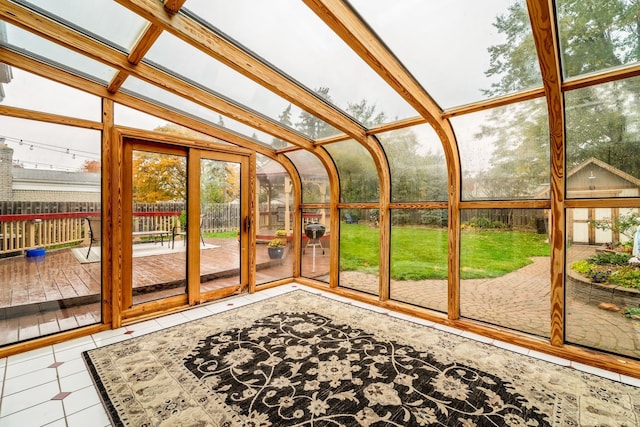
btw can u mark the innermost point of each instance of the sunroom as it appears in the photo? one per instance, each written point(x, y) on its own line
point(469, 163)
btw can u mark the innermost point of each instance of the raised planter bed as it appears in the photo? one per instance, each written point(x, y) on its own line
point(584, 290)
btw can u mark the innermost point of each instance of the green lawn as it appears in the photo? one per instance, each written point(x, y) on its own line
point(421, 253)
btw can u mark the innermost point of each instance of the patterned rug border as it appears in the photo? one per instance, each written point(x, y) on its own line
point(600, 397)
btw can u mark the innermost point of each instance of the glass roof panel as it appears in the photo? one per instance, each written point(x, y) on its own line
point(596, 35)
point(290, 36)
point(417, 163)
point(461, 51)
point(504, 152)
point(33, 46)
point(133, 118)
point(314, 177)
point(356, 170)
point(181, 105)
point(185, 60)
point(26, 90)
point(103, 18)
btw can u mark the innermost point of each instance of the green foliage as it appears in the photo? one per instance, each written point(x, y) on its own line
point(609, 258)
point(627, 277)
point(485, 223)
point(632, 311)
point(583, 267)
point(625, 224)
point(183, 218)
point(435, 217)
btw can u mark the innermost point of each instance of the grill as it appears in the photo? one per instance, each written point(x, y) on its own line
point(314, 232)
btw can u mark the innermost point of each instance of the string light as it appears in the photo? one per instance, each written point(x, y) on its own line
point(54, 148)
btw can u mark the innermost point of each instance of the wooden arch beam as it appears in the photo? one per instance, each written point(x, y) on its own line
point(541, 13)
point(346, 23)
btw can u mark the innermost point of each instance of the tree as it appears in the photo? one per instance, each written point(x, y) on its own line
point(312, 126)
point(219, 182)
point(159, 177)
point(285, 119)
point(595, 35)
point(366, 114)
point(92, 166)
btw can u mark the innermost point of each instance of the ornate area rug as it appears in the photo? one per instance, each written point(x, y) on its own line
point(305, 360)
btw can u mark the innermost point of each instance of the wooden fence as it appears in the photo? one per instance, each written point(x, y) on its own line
point(28, 225)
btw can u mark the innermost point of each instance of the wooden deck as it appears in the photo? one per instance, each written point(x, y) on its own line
point(45, 295)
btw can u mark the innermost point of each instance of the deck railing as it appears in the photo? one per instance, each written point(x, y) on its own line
point(46, 230)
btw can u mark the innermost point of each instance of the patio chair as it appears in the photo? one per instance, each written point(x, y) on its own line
point(183, 232)
point(94, 235)
point(350, 219)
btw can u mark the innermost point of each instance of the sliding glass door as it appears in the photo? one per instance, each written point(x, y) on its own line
point(184, 224)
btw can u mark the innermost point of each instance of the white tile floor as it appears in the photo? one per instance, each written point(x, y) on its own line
point(51, 386)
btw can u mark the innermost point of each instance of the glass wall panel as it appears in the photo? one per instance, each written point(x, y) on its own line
point(597, 35)
point(489, 49)
point(419, 249)
point(311, 53)
point(603, 131)
point(26, 90)
point(360, 250)
point(505, 268)
point(315, 181)
point(504, 152)
point(99, 17)
point(275, 224)
point(316, 249)
point(50, 193)
point(418, 166)
point(602, 284)
point(357, 172)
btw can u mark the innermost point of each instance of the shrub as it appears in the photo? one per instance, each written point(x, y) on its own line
point(627, 277)
point(486, 223)
point(277, 243)
point(598, 276)
point(610, 258)
point(437, 217)
point(281, 233)
point(582, 267)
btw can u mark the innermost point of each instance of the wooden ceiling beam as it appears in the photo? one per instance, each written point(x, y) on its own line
point(223, 50)
point(173, 6)
point(143, 45)
point(70, 39)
